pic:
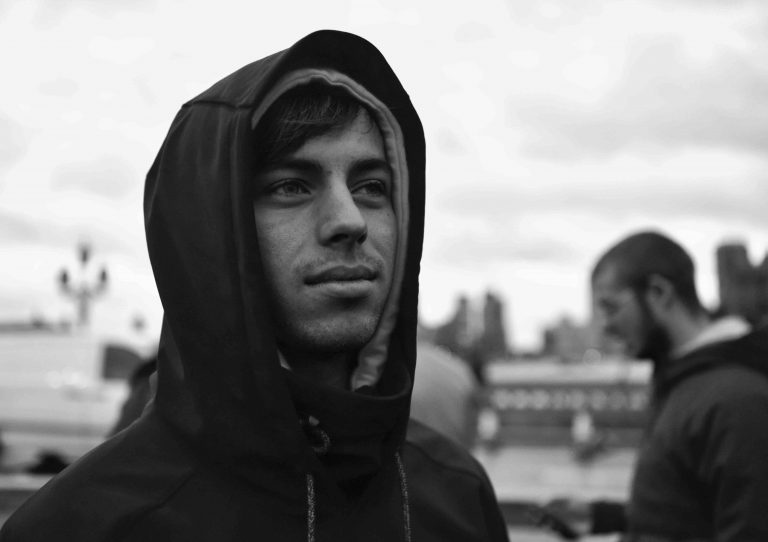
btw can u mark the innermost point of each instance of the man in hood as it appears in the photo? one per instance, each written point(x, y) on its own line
point(702, 471)
point(284, 220)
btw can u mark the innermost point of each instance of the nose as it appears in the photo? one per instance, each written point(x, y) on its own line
point(610, 331)
point(604, 324)
point(341, 221)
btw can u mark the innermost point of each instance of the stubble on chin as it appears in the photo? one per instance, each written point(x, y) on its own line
point(345, 336)
point(657, 344)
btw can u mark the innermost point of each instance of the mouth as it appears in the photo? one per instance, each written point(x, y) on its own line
point(342, 273)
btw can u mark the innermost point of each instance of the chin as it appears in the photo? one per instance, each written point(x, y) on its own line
point(341, 336)
point(656, 347)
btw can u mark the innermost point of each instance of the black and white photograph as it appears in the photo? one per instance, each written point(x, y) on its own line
point(379, 271)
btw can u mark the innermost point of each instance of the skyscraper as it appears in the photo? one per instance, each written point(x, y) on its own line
point(743, 286)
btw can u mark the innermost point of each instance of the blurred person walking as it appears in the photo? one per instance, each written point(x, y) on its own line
point(702, 469)
point(284, 217)
point(445, 394)
point(141, 390)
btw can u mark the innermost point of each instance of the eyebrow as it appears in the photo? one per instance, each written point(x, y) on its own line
point(310, 166)
point(370, 164)
point(298, 164)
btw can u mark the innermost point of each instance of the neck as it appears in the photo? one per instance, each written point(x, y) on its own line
point(686, 327)
point(329, 369)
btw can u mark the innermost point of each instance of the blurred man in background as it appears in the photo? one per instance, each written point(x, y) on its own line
point(702, 470)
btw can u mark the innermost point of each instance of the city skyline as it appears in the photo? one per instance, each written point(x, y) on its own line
point(553, 129)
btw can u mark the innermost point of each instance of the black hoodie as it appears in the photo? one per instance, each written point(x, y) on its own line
point(702, 472)
point(235, 447)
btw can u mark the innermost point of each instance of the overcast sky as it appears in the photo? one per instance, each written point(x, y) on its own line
point(553, 129)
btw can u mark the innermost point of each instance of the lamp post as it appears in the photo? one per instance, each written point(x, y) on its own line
point(83, 293)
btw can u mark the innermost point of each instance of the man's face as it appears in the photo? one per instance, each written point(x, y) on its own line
point(625, 316)
point(327, 235)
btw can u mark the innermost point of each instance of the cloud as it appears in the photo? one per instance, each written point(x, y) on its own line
point(53, 11)
point(714, 3)
point(18, 229)
point(13, 142)
point(656, 197)
point(109, 177)
point(449, 142)
point(469, 248)
point(61, 87)
point(472, 31)
point(664, 100)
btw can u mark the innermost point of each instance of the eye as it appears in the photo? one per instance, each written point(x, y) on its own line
point(288, 188)
point(608, 308)
point(372, 188)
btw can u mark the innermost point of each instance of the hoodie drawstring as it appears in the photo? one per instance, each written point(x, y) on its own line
point(311, 513)
point(310, 508)
point(404, 495)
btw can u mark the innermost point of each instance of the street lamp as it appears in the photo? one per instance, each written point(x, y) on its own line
point(83, 293)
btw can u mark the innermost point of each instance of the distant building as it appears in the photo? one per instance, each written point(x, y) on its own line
point(571, 342)
point(536, 402)
point(743, 287)
point(474, 336)
point(35, 325)
point(493, 340)
point(455, 335)
point(567, 340)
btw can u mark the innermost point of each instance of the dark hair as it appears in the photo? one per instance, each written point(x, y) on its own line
point(643, 254)
point(302, 113)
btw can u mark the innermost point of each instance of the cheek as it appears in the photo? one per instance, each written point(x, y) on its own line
point(645, 327)
point(622, 326)
point(382, 231)
point(274, 244)
point(635, 328)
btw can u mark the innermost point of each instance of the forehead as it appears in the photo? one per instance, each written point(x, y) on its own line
point(360, 136)
point(606, 283)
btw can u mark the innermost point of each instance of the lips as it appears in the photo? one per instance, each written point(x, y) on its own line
point(342, 273)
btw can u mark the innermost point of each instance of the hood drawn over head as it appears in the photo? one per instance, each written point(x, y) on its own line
point(220, 381)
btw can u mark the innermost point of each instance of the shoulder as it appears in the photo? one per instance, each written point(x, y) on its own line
point(729, 384)
point(434, 452)
point(719, 404)
point(450, 491)
point(99, 497)
point(725, 371)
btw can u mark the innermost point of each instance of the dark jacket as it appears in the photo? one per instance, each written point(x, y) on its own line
point(235, 447)
point(702, 472)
